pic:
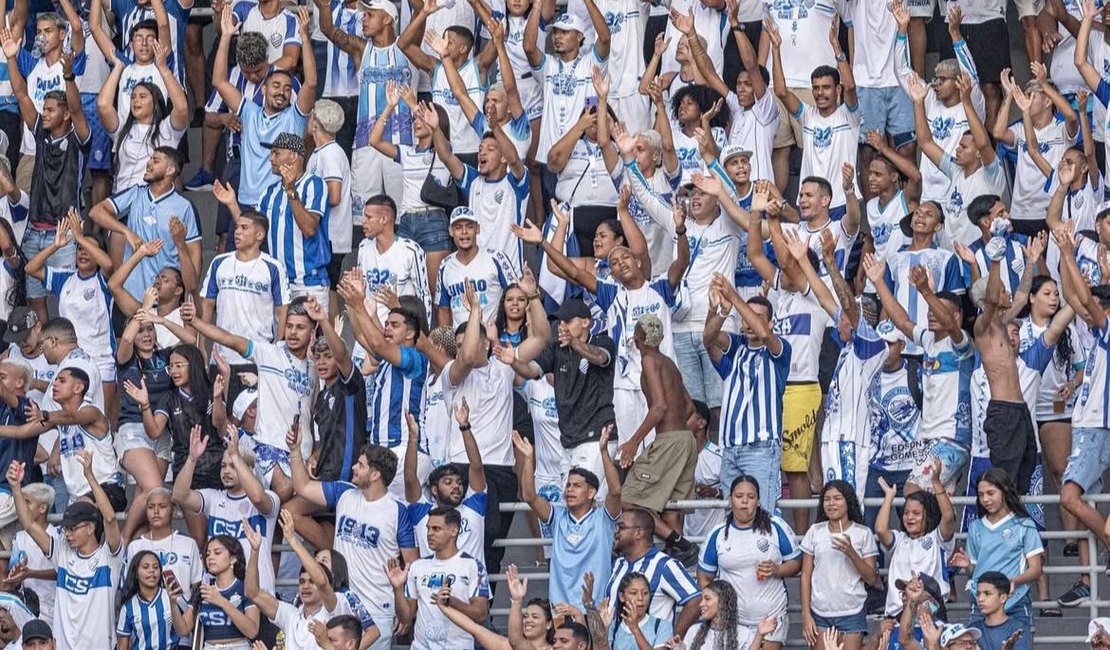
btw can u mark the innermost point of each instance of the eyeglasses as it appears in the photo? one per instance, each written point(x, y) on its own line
point(74, 527)
point(626, 526)
point(939, 79)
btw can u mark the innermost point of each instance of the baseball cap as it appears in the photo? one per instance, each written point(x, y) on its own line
point(891, 334)
point(243, 402)
point(1093, 627)
point(381, 5)
point(462, 213)
point(734, 150)
point(20, 323)
point(568, 23)
point(37, 630)
point(79, 512)
point(955, 631)
point(289, 141)
point(928, 582)
point(572, 308)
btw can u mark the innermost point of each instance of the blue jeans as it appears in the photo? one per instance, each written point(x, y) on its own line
point(760, 460)
point(427, 228)
point(698, 374)
point(34, 241)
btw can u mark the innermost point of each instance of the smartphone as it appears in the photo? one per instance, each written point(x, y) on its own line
point(591, 103)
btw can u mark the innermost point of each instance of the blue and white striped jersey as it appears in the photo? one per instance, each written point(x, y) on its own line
point(305, 257)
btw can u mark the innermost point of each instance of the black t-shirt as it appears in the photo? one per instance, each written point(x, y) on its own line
point(59, 167)
point(182, 412)
point(583, 391)
point(340, 417)
point(153, 372)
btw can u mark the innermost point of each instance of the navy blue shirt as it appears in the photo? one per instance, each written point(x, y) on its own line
point(994, 635)
point(153, 371)
point(22, 450)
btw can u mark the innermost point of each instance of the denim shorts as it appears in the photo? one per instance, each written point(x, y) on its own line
point(428, 228)
point(850, 624)
point(65, 258)
point(758, 459)
point(888, 111)
point(1090, 456)
point(697, 370)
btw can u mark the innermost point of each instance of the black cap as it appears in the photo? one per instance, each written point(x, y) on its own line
point(79, 512)
point(37, 630)
point(290, 141)
point(931, 587)
point(20, 323)
point(572, 308)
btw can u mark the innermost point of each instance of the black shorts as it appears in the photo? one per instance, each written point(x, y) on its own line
point(335, 269)
point(1011, 440)
point(983, 41)
point(198, 17)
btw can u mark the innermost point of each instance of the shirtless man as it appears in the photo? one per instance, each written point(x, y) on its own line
point(665, 469)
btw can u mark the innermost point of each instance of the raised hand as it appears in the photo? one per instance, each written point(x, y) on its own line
point(684, 23)
point(396, 573)
point(15, 473)
point(522, 445)
point(873, 268)
point(601, 82)
point(518, 587)
point(254, 537)
point(437, 41)
point(224, 193)
point(916, 87)
point(772, 32)
point(901, 15)
point(10, 43)
point(462, 413)
point(919, 277)
point(528, 232)
point(197, 444)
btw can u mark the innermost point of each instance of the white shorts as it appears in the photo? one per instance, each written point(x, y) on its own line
point(586, 456)
point(397, 487)
point(1027, 8)
point(921, 8)
point(372, 173)
point(107, 368)
point(630, 409)
point(320, 293)
point(132, 435)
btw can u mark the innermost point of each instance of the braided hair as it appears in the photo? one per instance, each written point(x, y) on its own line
point(625, 583)
point(762, 521)
point(725, 622)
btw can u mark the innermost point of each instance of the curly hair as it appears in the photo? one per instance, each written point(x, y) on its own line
point(726, 621)
point(704, 97)
point(855, 513)
point(930, 506)
point(250, 50)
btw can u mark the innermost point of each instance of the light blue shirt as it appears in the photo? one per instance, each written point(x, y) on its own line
point(149, 217)
point(260, 128)
point(579, 546)
point(1006, 547)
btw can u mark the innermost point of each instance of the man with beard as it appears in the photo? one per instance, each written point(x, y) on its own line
point(262, 124)
point(155, 206)
point(446, 488)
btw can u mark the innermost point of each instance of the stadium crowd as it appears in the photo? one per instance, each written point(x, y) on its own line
point(470, 253)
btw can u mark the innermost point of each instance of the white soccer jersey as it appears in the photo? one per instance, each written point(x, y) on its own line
point(709, 23)
point(875, 30)
point(226, 513)
point(1029, 198)
point(963, 189)
point(280, 30)
point(540, 394)
point(330, 163)
point(177, 552)
point(78, 358)
point(134, 151)
point(828, 143)
point(131, 76)
point(1090, 409)
point(946, 375)
point(369, 534)
point(72, 438)
point(24, 550)
point(627, 21)
point(909, 556)
point(805, 37)
point(527, 83)
point(498, 203)
point(401, 268)
point(472, 532)
point(944, 268)
point(415, 165)
point(467, 579)
point(87, 303)
point(838, 589)
point(858, 365)
point(801, 320)
point(463, 138)
point(285, 390)
point(733, 554)
point(585, 180)
point(246, 294)
point(754, 129)
point(566, 85)
point(492, 273)
point(624, 308)
point(85, 601)
point(42, 369)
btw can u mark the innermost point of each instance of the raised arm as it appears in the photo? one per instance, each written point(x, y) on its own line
point(894, 310)
point(410, 39)
point(303, 484)
point(73, 95)
point(100, 37)
point(788, 99)
point(439, 141)
point(843, 65)
point(532, 50)
point(1032, 147)
point(37, 533)
point(529, 233)
point(352, 45)
point(106, 98)
point(228, 92)
point(476, 473)
point(183, 494)
point(684, 23)
point(1082, 63)
point(27, 109)
point(179, 115)
point(213, 332)
point(1001, 129)
point(526, 456)
point(112, 534)
point(601, 29)
point(266, 602)
point(682, 246)
point(925, 142)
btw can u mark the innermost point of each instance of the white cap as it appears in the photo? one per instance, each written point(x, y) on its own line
point(243, 402)
point(569, 23)
point(462, 213)
point(888, 332)
point(382, 5)
point(734, 150)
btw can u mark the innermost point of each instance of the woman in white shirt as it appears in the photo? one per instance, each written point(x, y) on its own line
point(719, 626)
point(838, 558)
point(150, 122)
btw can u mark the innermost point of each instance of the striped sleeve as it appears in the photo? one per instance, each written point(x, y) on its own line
point(678, 583)
point(707, 563)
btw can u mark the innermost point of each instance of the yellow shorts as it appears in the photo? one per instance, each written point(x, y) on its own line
point(799, 425)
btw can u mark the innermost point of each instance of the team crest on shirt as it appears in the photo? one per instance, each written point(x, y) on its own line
point(437, 581)
point(1007, 534)
point(615, 21)
point(150, 219)
point(927, 543)
point(763, 545)
point(822, 137)
point(941, 127)
point(275, 39)
point(499, 196)
point(956, 201)
point(235, 600)
point(88, 294)
point(1078, 200)
point(785, 9)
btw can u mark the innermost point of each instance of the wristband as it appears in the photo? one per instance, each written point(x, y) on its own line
point(144, 407)
point(69, 78)
point(534, 296)
point(679, 232)
point(465, 427)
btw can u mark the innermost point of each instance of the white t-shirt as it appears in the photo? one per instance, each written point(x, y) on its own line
point(801, 320)
point(177, 552)
point(467, 580)
point(744, 636)
point(566, 85)
point(401, 268)
point(836, 587)
point(733, 554)
point(87, 303)
point(924, 555)
point(226, 513)
point(72, 438)
point(415, 165)
point(489, 392)
point(285, 389)
point(963, 189)
point(85, 600)
point(828, 143)
point(472, 535)
point(709, 23)
point(585, 180)
point(875, 30)
point(1029, 198)
point(754, 129)
point(804, 25)
point(977, 12)
point(463, 138)
point(945, 387)
point(330, 163)
point(132, 75)
point(627, 21)
point(24, 549)
point(492, 273)
point(246, 294)
point(293, 622)
point(545, 424)
point(133, 152)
